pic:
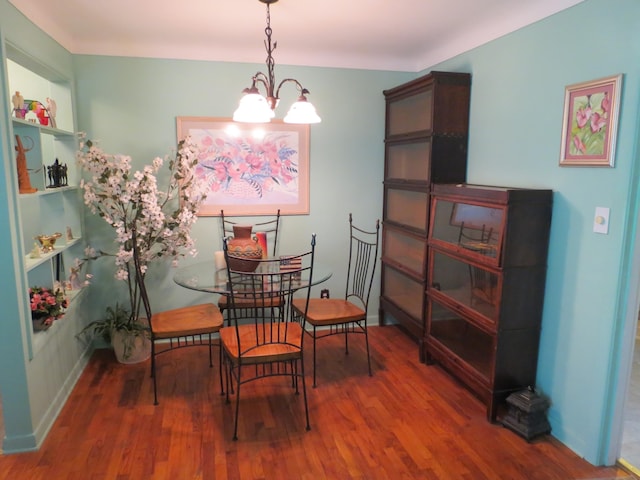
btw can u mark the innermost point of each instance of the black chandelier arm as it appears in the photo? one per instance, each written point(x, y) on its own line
point(303, 91)
point(262, 79)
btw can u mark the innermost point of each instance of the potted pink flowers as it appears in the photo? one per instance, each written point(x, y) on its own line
point(47, 305)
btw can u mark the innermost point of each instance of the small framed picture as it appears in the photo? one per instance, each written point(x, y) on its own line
point(590, 122)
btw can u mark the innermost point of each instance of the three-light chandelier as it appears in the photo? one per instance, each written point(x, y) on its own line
point(256, 108)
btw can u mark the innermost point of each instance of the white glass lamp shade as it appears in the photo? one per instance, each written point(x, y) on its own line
point(253, 108)
point(302, 111)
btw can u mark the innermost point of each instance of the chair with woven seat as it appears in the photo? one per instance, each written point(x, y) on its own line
point(189, 326)
point(270, 226)
point(348, 315)
point(263, 341)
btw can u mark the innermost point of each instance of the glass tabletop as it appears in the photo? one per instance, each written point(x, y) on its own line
point(204, 276)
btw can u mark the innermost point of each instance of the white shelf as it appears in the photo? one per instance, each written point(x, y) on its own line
point(31, 263)
point(48, 191)
point(43, 128)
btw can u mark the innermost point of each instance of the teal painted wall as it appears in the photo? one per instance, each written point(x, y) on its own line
point(131, 105)
point(516, 117)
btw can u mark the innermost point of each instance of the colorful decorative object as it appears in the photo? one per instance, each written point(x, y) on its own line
point(47, 242)
point(24, 182)
point(21, 109)
point(262, 241)
point(242, 247)
point(47, 305)
point(249, 169)
point(591, 122)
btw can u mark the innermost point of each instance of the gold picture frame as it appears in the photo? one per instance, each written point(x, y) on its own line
point(590, 122)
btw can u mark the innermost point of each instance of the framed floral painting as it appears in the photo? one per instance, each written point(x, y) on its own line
point(590, 122)
point(251, 169)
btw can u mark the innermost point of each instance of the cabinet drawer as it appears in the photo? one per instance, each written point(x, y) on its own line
point(403, 291)
point(410, 114)
point(404, 249)
point(463, 339)
point(409, 161)
point(476, 288)
point(407, 207)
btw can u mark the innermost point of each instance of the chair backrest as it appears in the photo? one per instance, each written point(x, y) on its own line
point(271, 288)
point(270, 226)
point(363, 257)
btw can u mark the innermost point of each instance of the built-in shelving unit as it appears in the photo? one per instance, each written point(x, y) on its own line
point(49, 206)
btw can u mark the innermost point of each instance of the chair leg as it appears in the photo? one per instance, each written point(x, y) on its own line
point(220, 368)
point(153, 372)
point(366, 341)
point(345, 328)
point(314, 357)
point(235, 428)
point(210, 352)
point(304, 391)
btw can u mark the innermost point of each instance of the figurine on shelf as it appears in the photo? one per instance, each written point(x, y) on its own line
point(18, 104)
point(24, 182)
point(35, 252)
point(52, 108)
point(69, 234)
point(57, 174)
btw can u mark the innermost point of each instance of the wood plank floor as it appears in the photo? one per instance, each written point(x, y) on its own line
point(408, 421)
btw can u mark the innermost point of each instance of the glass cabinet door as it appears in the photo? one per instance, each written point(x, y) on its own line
point(407, 208)
point(474, 287)
point(405, 250)
point(409, 161)
point(470, 229)
point(405, 292)
point(410, 114)
point(462, 338)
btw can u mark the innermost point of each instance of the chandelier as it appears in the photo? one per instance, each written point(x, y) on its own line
point(256, 108)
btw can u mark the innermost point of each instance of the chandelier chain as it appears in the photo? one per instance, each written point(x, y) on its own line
point(270, 48)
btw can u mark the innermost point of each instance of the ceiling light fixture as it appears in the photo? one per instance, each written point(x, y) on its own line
point(255, 108)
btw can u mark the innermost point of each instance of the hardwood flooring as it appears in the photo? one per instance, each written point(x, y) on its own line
point(408, 421)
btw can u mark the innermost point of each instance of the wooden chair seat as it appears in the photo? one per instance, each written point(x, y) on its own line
point(191, 320)
point(254, 351)
point(329, 311)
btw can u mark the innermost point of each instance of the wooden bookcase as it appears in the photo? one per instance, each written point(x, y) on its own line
point(426, 128)
point(487, 267)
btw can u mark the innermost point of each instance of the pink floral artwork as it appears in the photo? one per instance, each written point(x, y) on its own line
point(591, 110)
point(250, 169)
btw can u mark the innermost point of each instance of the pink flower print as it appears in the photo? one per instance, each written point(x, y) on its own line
point(220, 171)
point(207, 141)
point(577, 142)
point(605, 104)
point(582, 116)
point(254, 162)
point(597, 122)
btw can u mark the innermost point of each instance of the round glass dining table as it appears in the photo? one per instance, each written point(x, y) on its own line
point(204, 277)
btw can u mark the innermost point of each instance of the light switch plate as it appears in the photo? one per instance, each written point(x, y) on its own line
point(601, 220)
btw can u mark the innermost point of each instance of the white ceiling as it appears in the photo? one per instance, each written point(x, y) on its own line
point(403, 35)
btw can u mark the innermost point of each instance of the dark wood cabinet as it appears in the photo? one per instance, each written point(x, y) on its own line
point(427, 123)
point(486, 275)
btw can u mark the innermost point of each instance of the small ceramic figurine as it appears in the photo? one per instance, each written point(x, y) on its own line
point(35, 253)
point(52, 108)
point(18, 104)
point(69, 234)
